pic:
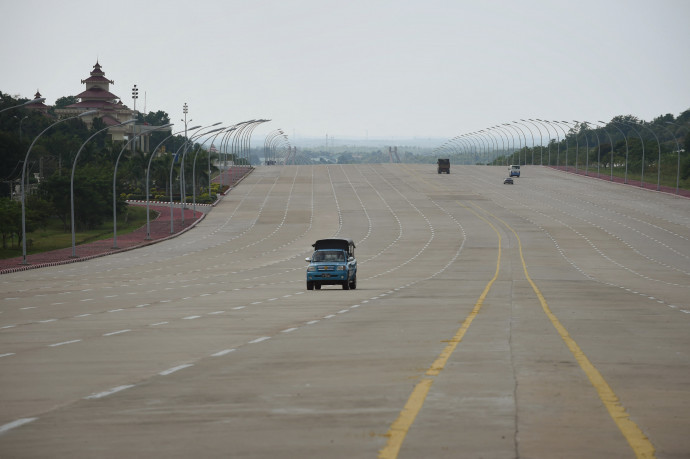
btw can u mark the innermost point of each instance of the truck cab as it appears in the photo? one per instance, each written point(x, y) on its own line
point(514, 170)
point(443, 165)
point(332, 263)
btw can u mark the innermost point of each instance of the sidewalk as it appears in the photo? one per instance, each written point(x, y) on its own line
point(159, 229)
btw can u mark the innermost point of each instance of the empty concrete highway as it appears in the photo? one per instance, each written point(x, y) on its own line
point(547, 319)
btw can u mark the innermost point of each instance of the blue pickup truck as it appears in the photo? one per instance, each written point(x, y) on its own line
point(332, 263)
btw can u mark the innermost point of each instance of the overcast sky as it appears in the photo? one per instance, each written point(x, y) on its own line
point(359, 68)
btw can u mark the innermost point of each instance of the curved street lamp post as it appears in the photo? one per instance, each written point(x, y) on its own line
point(548, 144)
point(577, 147)
point(26, 159)
point(641, 143)
point(625, 179)
point(678, 150)
point(658, 166)
point(117, 161)
point(148, 170)
point(218, 130)
point(508, 125)
point(541, 142)
point(34, 101)
point(583, 130)
point(603, 128)
point(71, 185)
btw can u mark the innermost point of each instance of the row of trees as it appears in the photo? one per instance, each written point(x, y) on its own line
point(50, 164)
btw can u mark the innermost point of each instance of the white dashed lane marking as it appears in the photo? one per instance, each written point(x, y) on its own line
point(15, 424)
point(222, 353)
point(117, 332)
point(109, 392)
point(258, 340)
point(174, 369)
point(65, 342)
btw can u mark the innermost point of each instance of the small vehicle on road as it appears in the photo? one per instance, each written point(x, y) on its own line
point(443, 165)
point(508, 181)
point(332, 263)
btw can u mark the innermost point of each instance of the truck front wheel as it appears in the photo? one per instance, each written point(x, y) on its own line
point(353, 284)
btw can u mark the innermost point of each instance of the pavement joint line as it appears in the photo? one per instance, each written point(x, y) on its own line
point(637, 440)
point(398, 430)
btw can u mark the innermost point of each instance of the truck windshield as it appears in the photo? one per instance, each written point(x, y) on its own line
point(328, 255)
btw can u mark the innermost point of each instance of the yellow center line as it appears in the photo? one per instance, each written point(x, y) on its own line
point(398, 430)
point(637, 440)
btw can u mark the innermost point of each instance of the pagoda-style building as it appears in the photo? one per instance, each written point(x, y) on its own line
point(38, 106)
point(111, 110)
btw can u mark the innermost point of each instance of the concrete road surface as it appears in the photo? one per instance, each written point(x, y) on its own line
point(547, 319)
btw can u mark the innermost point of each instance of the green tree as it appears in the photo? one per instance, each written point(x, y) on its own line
point(346, 158)
point(63, 102)
point(10, 219)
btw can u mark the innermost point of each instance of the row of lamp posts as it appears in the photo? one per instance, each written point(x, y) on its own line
point(240, 134)
point(482, 141)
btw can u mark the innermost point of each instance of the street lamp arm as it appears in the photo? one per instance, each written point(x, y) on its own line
point(117, 161)
point(26, 159)
point(71, 187)
point(34, 101)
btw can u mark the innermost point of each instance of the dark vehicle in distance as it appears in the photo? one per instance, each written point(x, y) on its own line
point(508, 181)
point(332, 263)
point(444, 165)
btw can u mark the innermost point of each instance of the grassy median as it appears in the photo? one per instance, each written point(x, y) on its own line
point(53, 236)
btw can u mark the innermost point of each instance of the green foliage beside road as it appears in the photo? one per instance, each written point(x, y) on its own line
point(51, 235)
point(51, 161)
